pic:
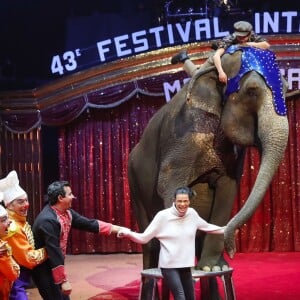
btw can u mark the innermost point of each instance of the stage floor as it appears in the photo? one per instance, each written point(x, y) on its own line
point(264, 276)
point(95, 274)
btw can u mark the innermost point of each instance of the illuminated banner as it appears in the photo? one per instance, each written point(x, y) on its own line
point(144, 40)
point(289, 69)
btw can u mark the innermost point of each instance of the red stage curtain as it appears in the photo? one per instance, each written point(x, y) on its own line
point(94, 152)
point(22, 152)
point(93, 157)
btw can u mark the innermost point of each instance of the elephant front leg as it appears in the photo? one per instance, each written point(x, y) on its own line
point(212, 254)
point(213, 247)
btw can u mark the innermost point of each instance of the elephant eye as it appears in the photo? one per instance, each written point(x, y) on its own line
point(252, 92)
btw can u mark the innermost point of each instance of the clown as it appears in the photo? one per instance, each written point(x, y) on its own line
point(9, 269)
point(20, 236)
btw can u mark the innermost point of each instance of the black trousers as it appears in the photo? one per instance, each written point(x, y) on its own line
point(180, 283)
point(42, 277)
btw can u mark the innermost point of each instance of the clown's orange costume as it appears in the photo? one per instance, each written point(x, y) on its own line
point(20, 236)
point(22, 242)
point(9, 269)
point(9, 272)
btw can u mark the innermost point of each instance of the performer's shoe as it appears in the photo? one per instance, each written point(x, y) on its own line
point(179, 57)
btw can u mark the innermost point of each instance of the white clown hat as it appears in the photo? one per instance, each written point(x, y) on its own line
point(3, 211)
point(10, 188)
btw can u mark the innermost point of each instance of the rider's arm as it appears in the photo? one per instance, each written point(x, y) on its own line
point(260, 45)
point(217, 61)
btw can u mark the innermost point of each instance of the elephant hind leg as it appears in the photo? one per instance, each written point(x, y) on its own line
point(150, 254)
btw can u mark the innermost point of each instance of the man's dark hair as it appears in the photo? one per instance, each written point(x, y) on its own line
point(56, 189)
point(184, 190)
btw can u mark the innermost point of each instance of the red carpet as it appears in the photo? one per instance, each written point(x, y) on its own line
point(267, 276)
point(256, 276)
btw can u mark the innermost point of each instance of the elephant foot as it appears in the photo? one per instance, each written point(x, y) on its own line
point(220, 265)
point(215, 268)
point(206, 269)
point(218, 268)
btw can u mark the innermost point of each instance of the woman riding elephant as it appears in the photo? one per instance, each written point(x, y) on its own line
point(243, 35)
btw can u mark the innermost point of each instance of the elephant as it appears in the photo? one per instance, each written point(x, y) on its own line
point(199, 138)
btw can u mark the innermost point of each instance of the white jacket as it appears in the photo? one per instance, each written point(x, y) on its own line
point(176, 235)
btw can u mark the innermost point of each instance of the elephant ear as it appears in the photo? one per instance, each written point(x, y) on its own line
point(264, 63)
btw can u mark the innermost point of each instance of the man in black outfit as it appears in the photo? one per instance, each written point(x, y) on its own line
point(51, 230)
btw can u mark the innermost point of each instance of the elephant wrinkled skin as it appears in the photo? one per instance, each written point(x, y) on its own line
point(197, 140)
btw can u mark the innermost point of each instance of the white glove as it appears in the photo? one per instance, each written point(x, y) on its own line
point(66, 288)
point(123, 232)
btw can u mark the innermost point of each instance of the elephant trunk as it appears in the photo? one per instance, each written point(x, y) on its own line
point(273, 135)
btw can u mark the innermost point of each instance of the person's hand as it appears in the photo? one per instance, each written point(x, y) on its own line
point(3, 249)
point(251, 44)
point(222, 77)
point(123, 232)
point(66, 288)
